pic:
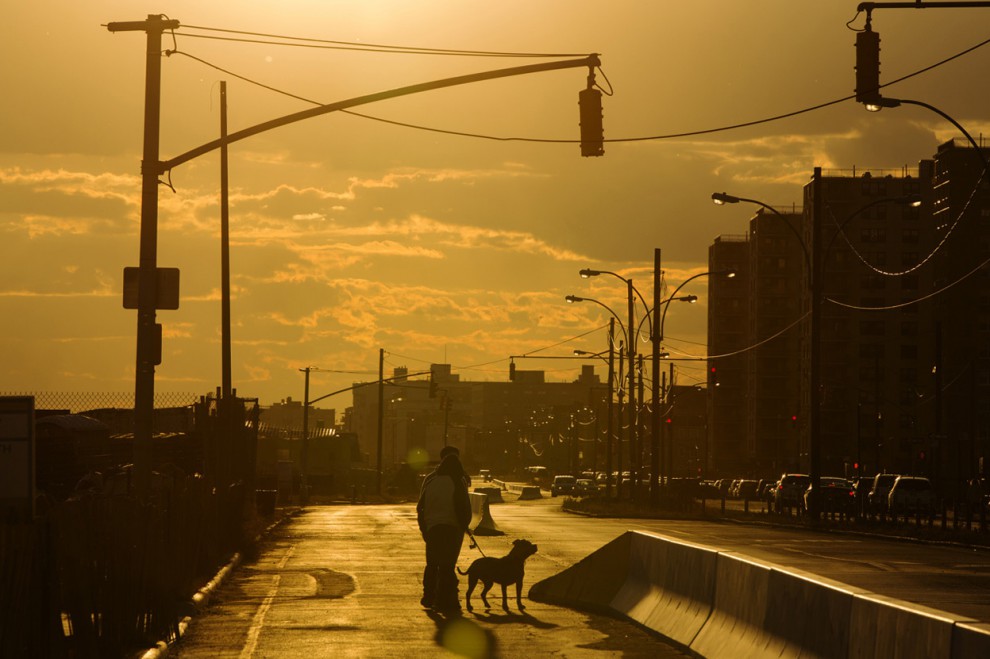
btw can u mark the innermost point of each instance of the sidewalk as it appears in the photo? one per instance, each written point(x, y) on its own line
point(344, 581)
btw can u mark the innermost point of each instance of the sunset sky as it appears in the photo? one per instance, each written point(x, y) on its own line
point(349, 234)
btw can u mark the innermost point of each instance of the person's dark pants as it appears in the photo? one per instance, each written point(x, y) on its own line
point(443, 545)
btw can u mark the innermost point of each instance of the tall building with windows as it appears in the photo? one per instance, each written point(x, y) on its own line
point(876, 328)
point(960, 442)
point(728, 320)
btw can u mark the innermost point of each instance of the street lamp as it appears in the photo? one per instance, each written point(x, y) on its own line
point(655, 457)
point(630, 356)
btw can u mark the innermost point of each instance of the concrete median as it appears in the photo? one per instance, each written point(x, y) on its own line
point(724, 604)
point(494, 493)
point(481, 516)
point(886, 627)
point(528, 492)
point(591, 583)
point(669, 586)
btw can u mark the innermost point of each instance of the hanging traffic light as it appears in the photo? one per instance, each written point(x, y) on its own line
point(433, 388)
point(867, 67)
point(512, 371)
point(712, 376)
point(592, 133)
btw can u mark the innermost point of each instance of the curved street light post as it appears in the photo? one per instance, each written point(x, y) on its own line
point(633, 431)
point(615, 317)
point(813, 262)
point(669, 448)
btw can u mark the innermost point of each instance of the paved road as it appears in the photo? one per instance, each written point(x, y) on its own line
point(950, 578)
point(344, 581)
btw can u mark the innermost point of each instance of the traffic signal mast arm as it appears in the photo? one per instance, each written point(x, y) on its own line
point(591, 61)
point(870, 6)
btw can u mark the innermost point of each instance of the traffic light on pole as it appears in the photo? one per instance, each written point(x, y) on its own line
point(713, 376)
point(867, 67)
point(592, 133)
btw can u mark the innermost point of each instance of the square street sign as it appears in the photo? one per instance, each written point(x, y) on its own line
point(168, 288)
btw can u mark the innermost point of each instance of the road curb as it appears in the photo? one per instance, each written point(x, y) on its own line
point(201, 598)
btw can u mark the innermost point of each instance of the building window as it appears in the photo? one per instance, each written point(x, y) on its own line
point(873, 235)
point(909, 328)
point(909, 283)
point(871, 327)
point(909, 351)
point(870, 350)
point(909, 236)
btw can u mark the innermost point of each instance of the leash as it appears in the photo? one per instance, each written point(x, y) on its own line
point(474, 542)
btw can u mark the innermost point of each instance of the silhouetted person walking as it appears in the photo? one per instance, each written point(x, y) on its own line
point(444, 514)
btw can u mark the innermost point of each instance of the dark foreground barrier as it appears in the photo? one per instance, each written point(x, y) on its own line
point(721, 604)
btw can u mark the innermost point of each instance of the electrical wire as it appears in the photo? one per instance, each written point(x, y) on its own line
point(935, 250)
point(667, 136)
point(915, 301)
point(357, 45)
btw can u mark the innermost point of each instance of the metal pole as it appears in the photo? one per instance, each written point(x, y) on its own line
point(815, 438)
point(224, 250)
point(631, 350)
point(639, 427)
point(304, 457)
point(670, 431)
point(655, 394)
point(610, 426)
point(381, 414)
point(148, 331)
point(618, 418)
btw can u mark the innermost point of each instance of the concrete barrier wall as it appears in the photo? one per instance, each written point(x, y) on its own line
point(724, 604)
point(592, 582)
point(886, 627)
point(669, 587)
point(477, 508)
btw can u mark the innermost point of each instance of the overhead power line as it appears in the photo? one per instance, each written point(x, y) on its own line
point(665, 136)
point(283, 40)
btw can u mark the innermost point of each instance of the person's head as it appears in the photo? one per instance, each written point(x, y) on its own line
point(450, 465)
point(449, 450)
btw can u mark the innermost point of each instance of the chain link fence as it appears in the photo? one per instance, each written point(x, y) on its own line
point(77, 402)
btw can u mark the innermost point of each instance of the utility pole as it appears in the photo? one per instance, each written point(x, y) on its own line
point(304, 452)
point(815, 425)
point(631, 349)
point(149, 333)
point(224, 249)
point(610, 428)
point(381, 414)
point(655, 397)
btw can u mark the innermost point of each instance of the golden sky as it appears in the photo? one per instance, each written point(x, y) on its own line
point(348, 234)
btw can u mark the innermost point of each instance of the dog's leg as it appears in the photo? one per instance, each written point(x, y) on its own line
point(519, 586)
point(484, 593)
point(505, 600)
point(472, 582)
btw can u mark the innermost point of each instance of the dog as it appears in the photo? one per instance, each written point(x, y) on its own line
point(508, 569)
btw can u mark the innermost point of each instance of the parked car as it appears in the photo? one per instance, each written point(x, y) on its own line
point(746, 490)
point(790, 491)
point(862, 485)
point(837, 495)
point(562, 484)
point(486, 475)
point(584, 487)
point(877, 498)
point(911, 494)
